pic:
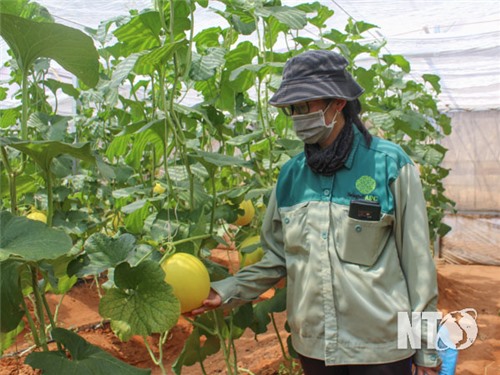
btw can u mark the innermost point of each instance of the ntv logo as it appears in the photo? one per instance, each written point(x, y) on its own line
point(457, 330)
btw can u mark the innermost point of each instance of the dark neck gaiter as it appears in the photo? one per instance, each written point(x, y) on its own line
point(326, 161)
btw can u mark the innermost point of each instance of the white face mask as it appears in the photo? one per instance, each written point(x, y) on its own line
point(311, 127)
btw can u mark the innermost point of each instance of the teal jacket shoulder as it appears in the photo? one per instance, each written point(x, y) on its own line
point(391, 150)
point(367, 173)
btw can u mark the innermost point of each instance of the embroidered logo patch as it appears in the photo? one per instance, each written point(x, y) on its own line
point(365, 184)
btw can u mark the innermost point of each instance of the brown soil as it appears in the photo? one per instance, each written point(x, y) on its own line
point(460, 287)
point(478, 287)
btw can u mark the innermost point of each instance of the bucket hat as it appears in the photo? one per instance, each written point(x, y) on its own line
point(315, 74)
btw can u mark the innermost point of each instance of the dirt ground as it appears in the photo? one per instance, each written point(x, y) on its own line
point(460, 287)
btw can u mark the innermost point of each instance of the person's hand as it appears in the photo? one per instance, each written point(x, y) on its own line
point(420, 370)
point(211, 302)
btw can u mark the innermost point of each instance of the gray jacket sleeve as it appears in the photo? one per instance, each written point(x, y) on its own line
point(412, 239)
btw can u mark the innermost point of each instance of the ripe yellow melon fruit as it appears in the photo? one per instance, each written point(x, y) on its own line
point(249, 213)
point(247, 259)
point(189, 278)
point(38, 216)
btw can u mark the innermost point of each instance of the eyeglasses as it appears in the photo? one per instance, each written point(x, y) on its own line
point(302, 108)
point(298, 109)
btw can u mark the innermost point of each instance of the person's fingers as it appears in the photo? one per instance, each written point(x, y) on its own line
point(207, 306)
point(211, 302)
point(198, 311)
point(426, 371)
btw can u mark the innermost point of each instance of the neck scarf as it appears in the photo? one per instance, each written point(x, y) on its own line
point(326, 161)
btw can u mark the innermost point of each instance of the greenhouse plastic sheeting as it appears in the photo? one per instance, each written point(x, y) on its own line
point(474, 159)
point(473, 239)
point(458, 41)
point(473, 183)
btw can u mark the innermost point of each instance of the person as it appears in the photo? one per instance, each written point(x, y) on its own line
point(346, 224)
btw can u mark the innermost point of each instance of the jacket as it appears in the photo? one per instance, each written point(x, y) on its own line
point(347, 279)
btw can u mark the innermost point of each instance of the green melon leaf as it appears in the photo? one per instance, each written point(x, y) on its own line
point(43, 152)
point(11, 297)
point(262, 310)
point(292, 17)
point(195, 349)
point(31, 240)
point(142, 32)
point(9, 338)
point(204, 66)
point(105, 252)
point(86, 359)
point(142, 303)
point(71, 48)
point(213, 159)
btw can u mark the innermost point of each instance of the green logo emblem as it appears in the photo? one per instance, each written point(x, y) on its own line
point(366, 184)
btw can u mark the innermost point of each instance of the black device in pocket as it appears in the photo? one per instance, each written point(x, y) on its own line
point(362, 209)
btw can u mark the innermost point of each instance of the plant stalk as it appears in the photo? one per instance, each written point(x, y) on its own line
point(175, 243)
point(39, 308)
point(201, 326)
point(180, 141)
point(24, 113)
point(231, 344)
point(194, 238)
point(32, 324)
point(163, 102)
point(98, 286)
point(157, 361)
point(11, 176)
point(223, 344)
point(58, 306)
point(202, 368)
point(49, 314)
point(282, 346)
point(214, 201)
point(50, 197)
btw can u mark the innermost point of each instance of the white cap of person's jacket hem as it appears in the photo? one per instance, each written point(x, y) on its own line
point(315, 74)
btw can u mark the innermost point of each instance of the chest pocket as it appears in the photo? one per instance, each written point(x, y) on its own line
point(360, 241)
point(295, 228)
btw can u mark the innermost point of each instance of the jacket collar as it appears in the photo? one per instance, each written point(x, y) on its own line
point(355, 144)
